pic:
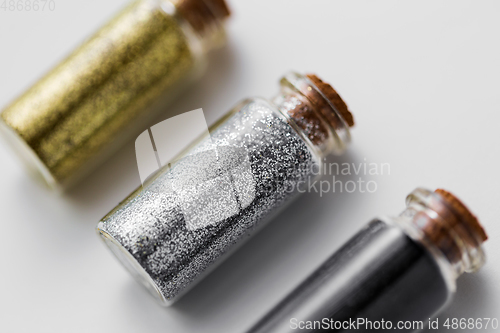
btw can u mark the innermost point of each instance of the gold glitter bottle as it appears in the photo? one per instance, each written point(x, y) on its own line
point(102, 94)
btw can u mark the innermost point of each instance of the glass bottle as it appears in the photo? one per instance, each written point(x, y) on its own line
point(393, 275)
point(182, 222)
point(105, 92)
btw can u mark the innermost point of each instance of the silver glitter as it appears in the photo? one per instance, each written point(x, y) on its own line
point(191, 215)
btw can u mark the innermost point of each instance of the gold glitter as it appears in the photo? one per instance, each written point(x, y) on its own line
point(102, 89)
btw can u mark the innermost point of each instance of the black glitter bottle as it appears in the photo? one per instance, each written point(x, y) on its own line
point(393, 275)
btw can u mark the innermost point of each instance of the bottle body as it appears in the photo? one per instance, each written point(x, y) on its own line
point(370, 279)
point(104, 92)
point(218, 194)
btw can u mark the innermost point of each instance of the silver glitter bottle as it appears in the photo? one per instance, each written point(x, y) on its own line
point(193, 212)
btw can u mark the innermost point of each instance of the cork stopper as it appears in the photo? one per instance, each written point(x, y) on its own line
point(334, 98)
point(450, 226)
point(317, 110)
point(462, 214)
point(203, 14)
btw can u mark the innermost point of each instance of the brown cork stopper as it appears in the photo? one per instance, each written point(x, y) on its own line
point(333, 97)
point(202, 14)
point(463, 213)
point(453, 220)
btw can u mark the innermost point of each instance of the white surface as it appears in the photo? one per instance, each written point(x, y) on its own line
point(422, 79)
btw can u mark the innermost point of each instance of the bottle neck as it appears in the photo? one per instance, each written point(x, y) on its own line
point(316, 111)
point(442, 224)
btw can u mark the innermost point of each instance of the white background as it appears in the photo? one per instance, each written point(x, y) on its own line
point(422, 79)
